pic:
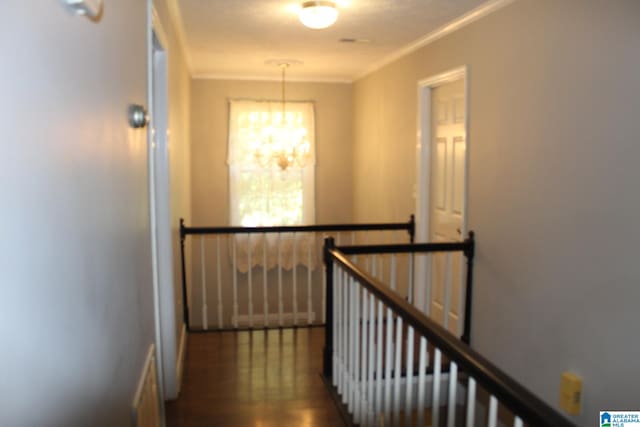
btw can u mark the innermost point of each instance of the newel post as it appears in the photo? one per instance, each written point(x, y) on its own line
point(327, 369)
point(412, 228)
point(469, 253)
point(185, 305)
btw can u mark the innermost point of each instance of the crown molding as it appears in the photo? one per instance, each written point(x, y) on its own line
point(479, 12)
point(265, 78)
point(178, 24)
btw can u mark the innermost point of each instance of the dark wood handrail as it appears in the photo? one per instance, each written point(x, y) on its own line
point(531, 409)
point(407, 248)
point(378, 226)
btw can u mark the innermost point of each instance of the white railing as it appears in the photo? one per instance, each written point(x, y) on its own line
point(392, 365)
point(263, 277)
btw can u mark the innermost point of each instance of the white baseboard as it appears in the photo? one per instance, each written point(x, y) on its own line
point(273, 319)
point(182, 349)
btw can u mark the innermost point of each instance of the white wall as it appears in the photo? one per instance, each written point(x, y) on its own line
point(76, 315)
point(553, 142)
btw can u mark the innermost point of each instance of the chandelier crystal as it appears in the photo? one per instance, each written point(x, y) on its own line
point(283, 138)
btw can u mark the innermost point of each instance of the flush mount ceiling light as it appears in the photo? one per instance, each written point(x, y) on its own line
point(318, 14)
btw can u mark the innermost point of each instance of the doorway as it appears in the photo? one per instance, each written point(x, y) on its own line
point(160, 209)
point(441, 194)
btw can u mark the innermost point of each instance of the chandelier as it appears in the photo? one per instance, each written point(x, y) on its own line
point(283, 141)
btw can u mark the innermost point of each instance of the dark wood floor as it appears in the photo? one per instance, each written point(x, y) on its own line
point(254, 378)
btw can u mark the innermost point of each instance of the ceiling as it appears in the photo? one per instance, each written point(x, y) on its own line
point(234, 38)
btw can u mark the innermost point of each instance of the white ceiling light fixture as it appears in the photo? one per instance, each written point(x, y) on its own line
point(318, 14)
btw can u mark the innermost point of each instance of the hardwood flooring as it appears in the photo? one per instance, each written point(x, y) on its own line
point(254, 378)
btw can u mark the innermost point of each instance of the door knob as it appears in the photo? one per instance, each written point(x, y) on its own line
point(138, 117)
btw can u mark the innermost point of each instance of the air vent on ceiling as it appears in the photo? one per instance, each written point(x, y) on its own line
point(353, 40)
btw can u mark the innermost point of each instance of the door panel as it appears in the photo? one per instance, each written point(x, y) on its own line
point(447, 199)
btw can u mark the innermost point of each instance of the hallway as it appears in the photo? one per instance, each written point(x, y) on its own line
point(254, 378)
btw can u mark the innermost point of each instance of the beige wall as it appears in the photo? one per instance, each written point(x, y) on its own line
point(77, 294)
point(179, 163)
point(554, 101)
point(209, 124)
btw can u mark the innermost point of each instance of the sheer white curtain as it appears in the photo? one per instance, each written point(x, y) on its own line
point(263, 194)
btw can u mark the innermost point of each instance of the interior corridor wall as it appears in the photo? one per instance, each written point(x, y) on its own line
point(553, 143)
point(76, 306)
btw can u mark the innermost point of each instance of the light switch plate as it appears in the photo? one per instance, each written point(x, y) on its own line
point(571, 393)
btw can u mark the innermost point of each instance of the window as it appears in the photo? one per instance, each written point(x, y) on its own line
point(263, 194)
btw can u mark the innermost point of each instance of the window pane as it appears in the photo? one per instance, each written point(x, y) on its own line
point(270, 197)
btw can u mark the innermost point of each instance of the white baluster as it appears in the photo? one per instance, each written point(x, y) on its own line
point(409, 377)
point(353, 242)
point(392, 272)
point(337, 328)
point(374, 347)
point(388, 360)
point(265, 295)
point(435, 406)
point(324, 288)
point(250, 286)
point(422, 369)
point(205, 324)
point(453, 385)
point(428, 259)
point(280, 302)
point(461, 299)
point(345, 335)
point(235, 280)
point(397, 371)
point(379, 349)
point(410, 291)
point(447, 291)
point(219, 274)
point(349, 336)
point(364, 364)
point(295, 282)
point(309, 243)
point(493, 412)
point(471, 402)
point(374, 266)
point(356, 350)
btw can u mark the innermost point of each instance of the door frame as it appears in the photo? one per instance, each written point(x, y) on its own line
point(423, 174)
point(159, 206)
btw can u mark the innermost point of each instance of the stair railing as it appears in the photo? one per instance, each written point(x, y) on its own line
point(264, 295)
point(391, 364)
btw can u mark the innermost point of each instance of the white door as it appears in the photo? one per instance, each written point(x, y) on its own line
point(446, 200)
